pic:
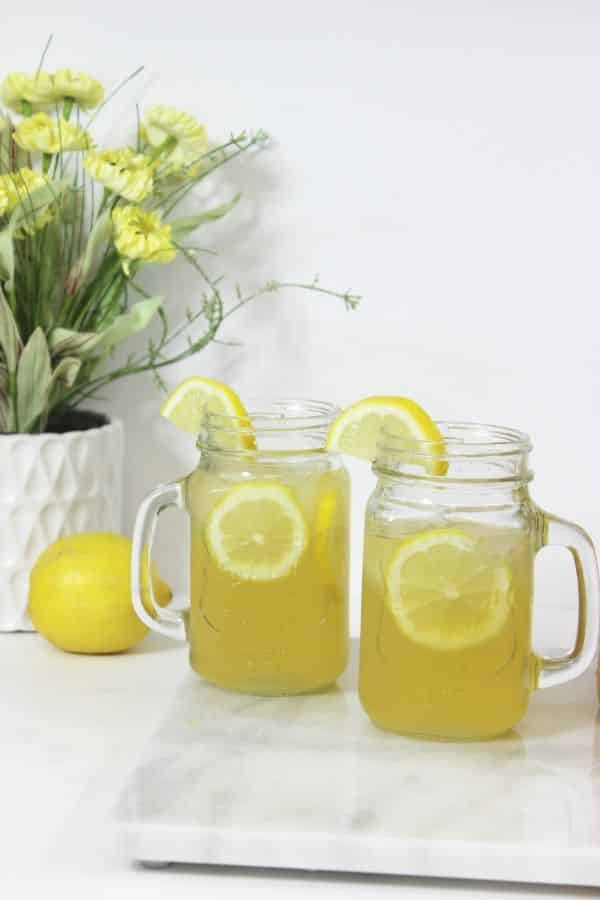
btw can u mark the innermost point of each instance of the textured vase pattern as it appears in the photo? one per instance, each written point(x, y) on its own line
point(52, 485)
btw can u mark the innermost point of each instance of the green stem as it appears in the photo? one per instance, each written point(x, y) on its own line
point(167, 145)
point(150, 362)
point(44, 52)
point(95, 385)
point(107, 99)
point(179, 193)
point(351, 300)
point(106, 195)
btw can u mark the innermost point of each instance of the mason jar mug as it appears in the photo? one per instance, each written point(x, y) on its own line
point(269, 552)
point(450, 541)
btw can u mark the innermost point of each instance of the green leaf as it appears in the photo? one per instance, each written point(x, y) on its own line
point(5, 145)
point(36, 201)
point(5, 415)
point(62, 340)
point(28, 208)
point(181, 227)
point(135, 319)
point(7, 257)
point(72, 205)
point(63, 376)
point(10, 340)
point(99, 235)
point(66, 371)
point(33, 380)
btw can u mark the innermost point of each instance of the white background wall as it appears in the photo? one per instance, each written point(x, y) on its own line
point(442, 158)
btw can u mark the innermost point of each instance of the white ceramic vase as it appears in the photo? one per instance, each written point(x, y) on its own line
point(52, 485)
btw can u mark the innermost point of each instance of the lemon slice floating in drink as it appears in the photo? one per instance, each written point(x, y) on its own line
point(357, 429)
point(325, 535)
point(188, 404)
point(257, 531)
point(444, 594)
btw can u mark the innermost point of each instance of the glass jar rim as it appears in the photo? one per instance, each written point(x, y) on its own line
point(460, 440)
point(271, 418)
point(468, 453)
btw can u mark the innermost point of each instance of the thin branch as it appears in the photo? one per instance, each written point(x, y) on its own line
point(184, 189)
point(112, 94)
point(43, 56)
point(351, 300)
point(138, 130)
point(212, 311)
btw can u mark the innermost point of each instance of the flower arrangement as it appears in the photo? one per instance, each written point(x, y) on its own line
point(78, 223)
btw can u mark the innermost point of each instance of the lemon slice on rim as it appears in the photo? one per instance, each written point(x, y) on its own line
point(356, 430)
point(257, 531)
point(443, 592)
point(187, 405)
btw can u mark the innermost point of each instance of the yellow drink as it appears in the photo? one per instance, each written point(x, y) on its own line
point(444, 682)
point(280, 635)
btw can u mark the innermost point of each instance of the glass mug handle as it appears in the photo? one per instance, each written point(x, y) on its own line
point(164, 621)
point(557, 532)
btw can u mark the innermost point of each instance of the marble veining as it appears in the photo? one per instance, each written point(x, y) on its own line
point(309, 782)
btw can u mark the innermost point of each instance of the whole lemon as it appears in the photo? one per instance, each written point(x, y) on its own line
point(80, 594)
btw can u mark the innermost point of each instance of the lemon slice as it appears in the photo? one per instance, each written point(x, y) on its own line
point(327, 511)
point(356, 430)
point(257, 531)
point(445, 593)
point(187, 406)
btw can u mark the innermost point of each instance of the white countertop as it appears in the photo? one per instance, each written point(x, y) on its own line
point(72, 729)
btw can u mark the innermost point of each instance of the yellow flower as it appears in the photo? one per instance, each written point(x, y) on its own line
point(123, 172)
point(183, 138)
point(77, 87)
point(15, 189)
point(4, 195)
point(33, 91)
point(141, 234)
point(41, 134)
point(16, 186)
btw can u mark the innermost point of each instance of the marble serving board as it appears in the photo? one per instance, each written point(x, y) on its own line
point(310, 783)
